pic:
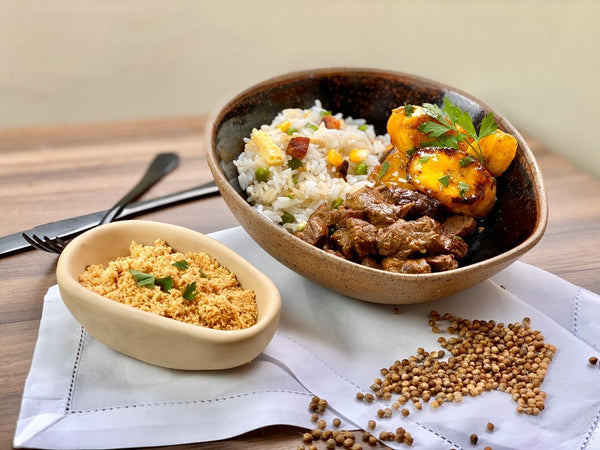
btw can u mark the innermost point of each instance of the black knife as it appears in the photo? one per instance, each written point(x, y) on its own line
point(69, 228)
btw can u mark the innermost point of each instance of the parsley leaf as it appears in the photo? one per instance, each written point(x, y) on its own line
point(445, 180)
point(449, 140)
point(458, 126)
point(181, 265)
point(149, 280)
point(189, 292)
point(143, 279)
point(424, 158)
point(166, 283)
point(434, 129)
point(204, 274)
point(435, 112)
point(408, 109)
point(384, 168)
point(294, 163)
point(466, 161)
point(488, 126)
point(463, 188)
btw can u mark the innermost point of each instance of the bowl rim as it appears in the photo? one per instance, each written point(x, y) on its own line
point(69, 283)
point(541, 200)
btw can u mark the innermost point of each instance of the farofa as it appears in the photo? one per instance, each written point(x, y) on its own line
point(221, 302)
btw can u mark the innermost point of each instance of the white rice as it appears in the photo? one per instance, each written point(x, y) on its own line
point(299, 192)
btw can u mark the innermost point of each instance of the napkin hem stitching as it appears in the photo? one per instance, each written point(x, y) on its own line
point(576, 310)
point(185, 403)
point(75, 370)
point(590, 431)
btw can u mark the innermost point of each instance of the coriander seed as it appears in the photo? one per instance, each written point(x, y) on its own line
point(474, 439)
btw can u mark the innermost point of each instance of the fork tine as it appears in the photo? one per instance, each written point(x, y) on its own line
point(60, 243)
point(54, 245)
point(36, 242)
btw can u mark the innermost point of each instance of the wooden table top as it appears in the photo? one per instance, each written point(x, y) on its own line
point(52, 173)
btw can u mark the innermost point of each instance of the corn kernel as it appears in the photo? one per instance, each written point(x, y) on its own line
point(284, 126)
point(334, 157)
point(358, 155)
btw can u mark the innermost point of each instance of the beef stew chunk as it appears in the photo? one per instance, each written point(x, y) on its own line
point(391, 228)
point(317, 229)
point(378, 211)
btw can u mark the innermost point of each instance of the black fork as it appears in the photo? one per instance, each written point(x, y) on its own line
point(162, 164)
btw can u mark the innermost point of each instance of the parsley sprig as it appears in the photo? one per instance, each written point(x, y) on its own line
point(149, 280)
point(189, 292)
point(452, 125)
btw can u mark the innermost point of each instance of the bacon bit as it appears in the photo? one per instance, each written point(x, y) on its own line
point(342, 169)
point(297, 147)
point(332, 123)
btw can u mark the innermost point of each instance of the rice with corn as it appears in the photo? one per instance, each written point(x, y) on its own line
point(289, 195)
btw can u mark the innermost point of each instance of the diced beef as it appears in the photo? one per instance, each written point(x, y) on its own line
point(403, 238)
point(333, 252)
point(441, 263)
point(356, 240)
point(400, 265)
point(298, 147)
point(369, 261)
point(378, 211)
point(454, 245)
point(459, 225)
point(317, 227)
point(423, 205)
point(390, 228)
point(338, 217)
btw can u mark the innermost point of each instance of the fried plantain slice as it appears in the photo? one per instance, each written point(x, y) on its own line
point(454, 178)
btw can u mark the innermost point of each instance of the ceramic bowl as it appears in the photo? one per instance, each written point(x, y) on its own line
point(155, 339)
point(515, 225)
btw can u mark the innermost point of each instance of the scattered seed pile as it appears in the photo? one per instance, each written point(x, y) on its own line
point(332, 438)
point(190, 287)
point(484, 356)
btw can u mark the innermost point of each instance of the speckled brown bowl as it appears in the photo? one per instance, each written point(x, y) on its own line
point(515, 225)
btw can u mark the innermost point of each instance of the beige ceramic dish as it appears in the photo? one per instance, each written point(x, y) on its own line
point(515, 225)
point(152, 338)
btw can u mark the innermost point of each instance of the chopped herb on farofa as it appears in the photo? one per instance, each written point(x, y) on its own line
point(220, 302)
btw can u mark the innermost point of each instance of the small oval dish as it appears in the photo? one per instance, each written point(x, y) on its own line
point(152, 338)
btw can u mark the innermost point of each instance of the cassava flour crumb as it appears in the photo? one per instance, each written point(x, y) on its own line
point(190, 287)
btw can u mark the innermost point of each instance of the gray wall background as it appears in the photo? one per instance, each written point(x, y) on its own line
point(537, 62)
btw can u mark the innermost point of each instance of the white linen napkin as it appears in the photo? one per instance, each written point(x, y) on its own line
point(81, 394)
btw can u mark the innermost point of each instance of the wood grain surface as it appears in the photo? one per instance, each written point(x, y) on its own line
point(52, 173)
